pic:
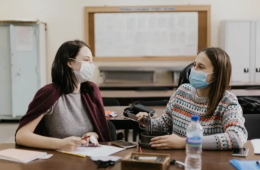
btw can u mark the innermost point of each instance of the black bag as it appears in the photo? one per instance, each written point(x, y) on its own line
point(249, 104)
point(136, 108)
point(184, 74)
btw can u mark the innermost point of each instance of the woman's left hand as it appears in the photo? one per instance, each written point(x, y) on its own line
point(168, 142)
point(88, 135)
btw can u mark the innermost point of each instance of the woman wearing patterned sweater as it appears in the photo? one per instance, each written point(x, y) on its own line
point(206, 96)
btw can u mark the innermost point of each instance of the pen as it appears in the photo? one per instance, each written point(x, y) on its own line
point(140, 149)
point(85, 137)
point(172, 162)
point(92, 140)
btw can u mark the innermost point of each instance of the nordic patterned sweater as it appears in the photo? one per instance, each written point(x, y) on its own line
point(223, 130)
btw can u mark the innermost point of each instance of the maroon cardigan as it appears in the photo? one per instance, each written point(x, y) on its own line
point(49, 94)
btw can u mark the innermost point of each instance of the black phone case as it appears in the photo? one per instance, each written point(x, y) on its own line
point(136, 108)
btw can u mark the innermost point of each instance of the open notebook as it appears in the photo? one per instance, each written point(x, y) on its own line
point(22, 156)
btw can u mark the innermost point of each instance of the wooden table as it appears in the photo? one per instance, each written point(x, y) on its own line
point(125, 97)
point(163, 93)
point(244, 85)
point(136, 86)
point(211, 160)
point(133, 94)
point(165, 85)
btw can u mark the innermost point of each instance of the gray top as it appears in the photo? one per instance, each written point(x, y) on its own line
point(68, 117)
point(197, 98)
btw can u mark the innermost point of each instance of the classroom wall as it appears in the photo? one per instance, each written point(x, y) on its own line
point(65, 21)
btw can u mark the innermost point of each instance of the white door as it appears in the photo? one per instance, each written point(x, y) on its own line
point(257, 56)
point(237, 45)
point(5, 72)
point(24, 69)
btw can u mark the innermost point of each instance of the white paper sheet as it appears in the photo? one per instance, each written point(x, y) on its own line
point(103, 150)
point(24, 38)
point(256, 145)
point(146, 34)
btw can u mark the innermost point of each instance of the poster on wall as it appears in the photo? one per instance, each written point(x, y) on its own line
point(24, 38)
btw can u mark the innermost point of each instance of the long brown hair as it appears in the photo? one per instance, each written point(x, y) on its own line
point(222, 75)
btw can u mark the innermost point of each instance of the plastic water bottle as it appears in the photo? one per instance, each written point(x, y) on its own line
point(194, 135)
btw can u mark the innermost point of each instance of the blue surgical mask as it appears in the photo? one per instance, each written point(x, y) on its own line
point(198, 79)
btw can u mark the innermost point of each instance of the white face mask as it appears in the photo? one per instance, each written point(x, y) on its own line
point(86, 71)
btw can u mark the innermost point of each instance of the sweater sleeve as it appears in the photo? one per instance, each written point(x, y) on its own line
point(235, 135)
point(165, 122)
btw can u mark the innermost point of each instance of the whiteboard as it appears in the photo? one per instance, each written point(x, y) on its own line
point(146, 34)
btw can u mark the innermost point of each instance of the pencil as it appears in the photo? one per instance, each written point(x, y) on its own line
point(73, 154)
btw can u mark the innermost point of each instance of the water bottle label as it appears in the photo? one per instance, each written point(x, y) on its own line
point(194, 141)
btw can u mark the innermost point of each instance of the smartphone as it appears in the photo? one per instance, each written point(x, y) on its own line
point(240, 152)
point(123, 144)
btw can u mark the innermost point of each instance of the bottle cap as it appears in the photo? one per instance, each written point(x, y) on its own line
point(195, 118)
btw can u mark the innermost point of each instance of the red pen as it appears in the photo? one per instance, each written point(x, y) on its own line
point(85, 137)
point(140, 149)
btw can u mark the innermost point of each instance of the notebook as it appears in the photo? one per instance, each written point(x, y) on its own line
point(101, 150)
point(245, 164)
point(22, 156)
point(256, 145)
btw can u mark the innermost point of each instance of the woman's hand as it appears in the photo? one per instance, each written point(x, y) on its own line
point(87, 138)
point(140, 116)
point(70, 143)
point(168, 142)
